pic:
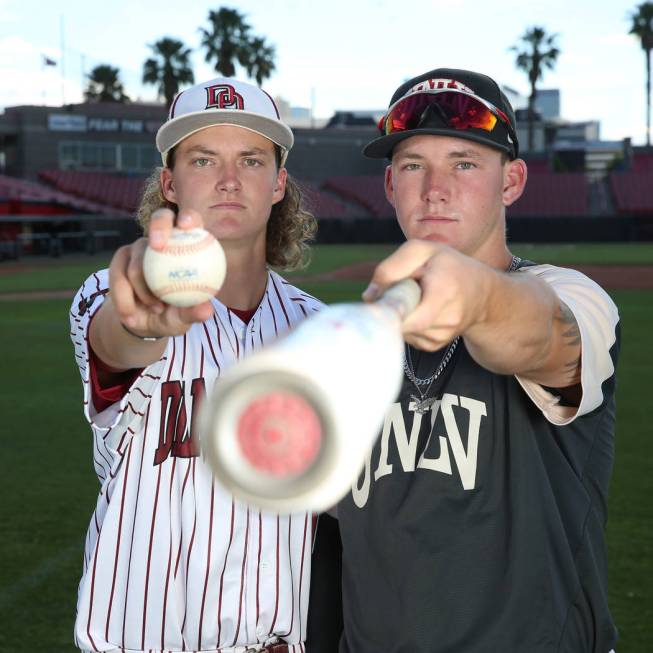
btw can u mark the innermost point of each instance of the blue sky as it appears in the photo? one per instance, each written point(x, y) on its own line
point(340, 54)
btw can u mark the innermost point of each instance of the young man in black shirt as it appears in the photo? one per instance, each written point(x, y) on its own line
point(477, 523)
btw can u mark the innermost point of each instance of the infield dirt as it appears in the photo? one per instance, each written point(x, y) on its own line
point(611, 277)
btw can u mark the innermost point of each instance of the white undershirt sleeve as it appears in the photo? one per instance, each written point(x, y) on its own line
point(597, 318)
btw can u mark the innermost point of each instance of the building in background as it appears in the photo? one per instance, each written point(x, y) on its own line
point(358, 118)
point(547, 103)
point(298, 117)
point(119, 138)
point(93, 137)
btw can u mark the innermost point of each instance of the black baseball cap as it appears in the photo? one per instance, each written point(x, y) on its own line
point(448, 102)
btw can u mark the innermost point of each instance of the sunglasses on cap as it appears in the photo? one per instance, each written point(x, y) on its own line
point(458, 110)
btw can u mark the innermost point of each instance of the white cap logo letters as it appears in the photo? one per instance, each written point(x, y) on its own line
point(437, 84)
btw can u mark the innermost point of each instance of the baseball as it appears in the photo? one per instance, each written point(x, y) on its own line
point(188, 271)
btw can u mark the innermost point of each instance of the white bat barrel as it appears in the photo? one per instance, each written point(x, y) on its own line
point(289, 428)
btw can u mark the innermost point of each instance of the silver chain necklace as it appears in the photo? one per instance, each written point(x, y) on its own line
point(423, 403)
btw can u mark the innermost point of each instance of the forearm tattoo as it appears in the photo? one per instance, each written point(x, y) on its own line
point(570, 338)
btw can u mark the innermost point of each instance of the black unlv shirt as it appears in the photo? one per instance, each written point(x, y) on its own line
point(479, 526)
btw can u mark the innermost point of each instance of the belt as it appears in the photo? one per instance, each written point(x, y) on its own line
point(280, 647)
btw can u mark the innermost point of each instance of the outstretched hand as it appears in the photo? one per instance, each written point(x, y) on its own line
point(453, 291)
point(137, 308)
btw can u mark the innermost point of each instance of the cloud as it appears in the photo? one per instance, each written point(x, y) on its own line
point(26, 81)
point(40, 87)
point(14, 49)
point(618, 39)
point(6, 14)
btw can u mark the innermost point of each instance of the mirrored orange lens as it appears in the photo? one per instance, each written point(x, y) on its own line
point(455, 110)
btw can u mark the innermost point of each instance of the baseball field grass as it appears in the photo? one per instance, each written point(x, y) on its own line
point(45, 274)
point(49, 489)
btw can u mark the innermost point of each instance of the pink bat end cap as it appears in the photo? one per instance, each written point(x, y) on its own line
point(279, 433)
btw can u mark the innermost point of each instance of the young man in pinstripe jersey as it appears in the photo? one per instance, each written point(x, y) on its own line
point(172, 562)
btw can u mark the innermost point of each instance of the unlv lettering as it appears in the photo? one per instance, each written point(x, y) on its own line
point(395, 424)
point(432, 84)
point(177, 437)
point(223, 96)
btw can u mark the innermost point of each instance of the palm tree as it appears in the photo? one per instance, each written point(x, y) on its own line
point(261, 60)
point(537, 51)
point(104, 85)
point(226, 40)
point(642, 27)
point(169, 69)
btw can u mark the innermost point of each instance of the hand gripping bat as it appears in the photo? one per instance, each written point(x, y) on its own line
point(289, 427)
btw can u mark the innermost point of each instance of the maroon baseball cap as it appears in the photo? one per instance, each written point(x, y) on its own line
point(448, 102)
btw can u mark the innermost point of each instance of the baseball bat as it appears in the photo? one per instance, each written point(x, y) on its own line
point(289, 427)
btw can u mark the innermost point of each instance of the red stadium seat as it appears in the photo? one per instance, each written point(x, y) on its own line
point(119, 192)
point(631, 191)
point(365, 190)
point(550, 194)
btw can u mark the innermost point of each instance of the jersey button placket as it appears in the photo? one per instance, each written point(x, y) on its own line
point(240, 335)
point(250, 336)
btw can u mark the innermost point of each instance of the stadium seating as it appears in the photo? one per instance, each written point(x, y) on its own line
point(642, 161)
point(324, 205)
point(23, 191)
point(365, 191)
point(550, 194)
point(631, 191)
point(122, 193)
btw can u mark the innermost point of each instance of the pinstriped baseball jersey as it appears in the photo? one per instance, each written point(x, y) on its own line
point(172, 562)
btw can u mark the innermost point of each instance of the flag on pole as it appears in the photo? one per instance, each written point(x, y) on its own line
point(48, 62)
